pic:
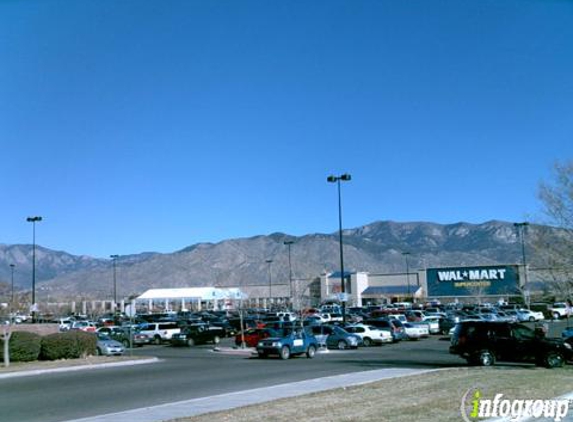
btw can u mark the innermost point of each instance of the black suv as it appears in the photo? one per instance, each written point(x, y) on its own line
point(197, 334)
point(482, 343)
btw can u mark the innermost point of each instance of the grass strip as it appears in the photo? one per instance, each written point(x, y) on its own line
point(436, 396)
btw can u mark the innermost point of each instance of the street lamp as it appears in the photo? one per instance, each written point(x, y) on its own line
point(406, 254)
point(114, 259)
point(289, 243)
point(270, 261)
point(336, 179)
point(34, 220)
point(12, 295)
point(521, 230)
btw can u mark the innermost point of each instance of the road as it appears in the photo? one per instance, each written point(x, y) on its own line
point(186, 373)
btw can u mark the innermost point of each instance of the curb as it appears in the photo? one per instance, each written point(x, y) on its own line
point(34, 372)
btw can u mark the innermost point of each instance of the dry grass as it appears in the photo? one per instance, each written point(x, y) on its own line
point(430, 397)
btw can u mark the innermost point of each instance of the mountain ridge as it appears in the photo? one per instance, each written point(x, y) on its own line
point(375, 247)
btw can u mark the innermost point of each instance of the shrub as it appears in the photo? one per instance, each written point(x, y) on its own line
point(68, 345)
point(23, 347)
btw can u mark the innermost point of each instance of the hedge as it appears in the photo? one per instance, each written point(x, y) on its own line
point(23, 347)
point(68, 345)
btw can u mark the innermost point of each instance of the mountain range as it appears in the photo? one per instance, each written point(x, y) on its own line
point(376, 248)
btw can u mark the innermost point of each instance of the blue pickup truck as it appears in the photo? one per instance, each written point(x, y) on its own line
point(291, 343)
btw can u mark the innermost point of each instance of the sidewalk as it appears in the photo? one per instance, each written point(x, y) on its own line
point(32, 372)
point(221, 402)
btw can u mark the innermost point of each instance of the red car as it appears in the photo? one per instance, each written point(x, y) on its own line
point(254, 335)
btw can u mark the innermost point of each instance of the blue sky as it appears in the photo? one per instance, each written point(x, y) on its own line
point(138, 125)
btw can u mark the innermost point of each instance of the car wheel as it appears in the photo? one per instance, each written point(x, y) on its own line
point(485, 358)
point(311, 352)
point(553, 360)
point(367, 342)
point(125, 343)
point(341, 345)
point(216, 340)
point(556, 315)
point(285, 353)
point(157, 339)
point(190, 342)
point(98, 352)
point(531, 319)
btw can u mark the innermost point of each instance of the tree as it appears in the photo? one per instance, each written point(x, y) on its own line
point(553, 243)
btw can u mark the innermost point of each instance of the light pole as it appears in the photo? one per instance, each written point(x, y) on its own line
point(34, 220)
point(288, 243)
point(12, 279)
point(270, 261)
point(114, 259)
point(336, 179)
point(406, 255)
point(12, 295)
point(521, 229)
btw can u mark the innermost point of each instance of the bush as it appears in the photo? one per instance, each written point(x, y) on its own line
point(23, 347)
point(68, 345)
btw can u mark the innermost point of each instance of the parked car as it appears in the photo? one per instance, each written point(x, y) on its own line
point(122, 334)
point(433, 323)
point(160, 331)
point(197, 334)
point(400, 317)
point(106, 346)
point(252, 336)
point(335, 337)
point(559, 310)
point(87, 326)
point(416, 331)
point(506, 317)
point(292, 343)
point(482, 343)
point(527, 315)
point(393, 325)
point(370, 335)
point(318, 318)
point(64, 324)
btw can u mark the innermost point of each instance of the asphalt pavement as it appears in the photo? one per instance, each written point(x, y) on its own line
point(228, 401)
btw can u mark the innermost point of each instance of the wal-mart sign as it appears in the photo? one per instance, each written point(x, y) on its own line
point(494, 280)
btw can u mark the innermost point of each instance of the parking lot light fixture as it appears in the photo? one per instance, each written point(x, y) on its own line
point(521, 230)
point(337, 179)
point(34, 307)
point(114, 260)
point(269, 262)
point(12, 291)
point(406, 255)
point(289, 243)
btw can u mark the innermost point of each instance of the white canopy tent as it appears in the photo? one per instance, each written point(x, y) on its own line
point(197, 295)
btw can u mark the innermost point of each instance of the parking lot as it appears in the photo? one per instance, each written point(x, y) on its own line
point(184, 373)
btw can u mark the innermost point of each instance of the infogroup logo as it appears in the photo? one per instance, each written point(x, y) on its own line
point(475, 407)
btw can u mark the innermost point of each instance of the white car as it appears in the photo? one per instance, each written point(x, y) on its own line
point(415, 332)
point(370, 335)
point(400, 317)
point(319, 318)
point(560, 310)
point(527, 315)
point(433, 322)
